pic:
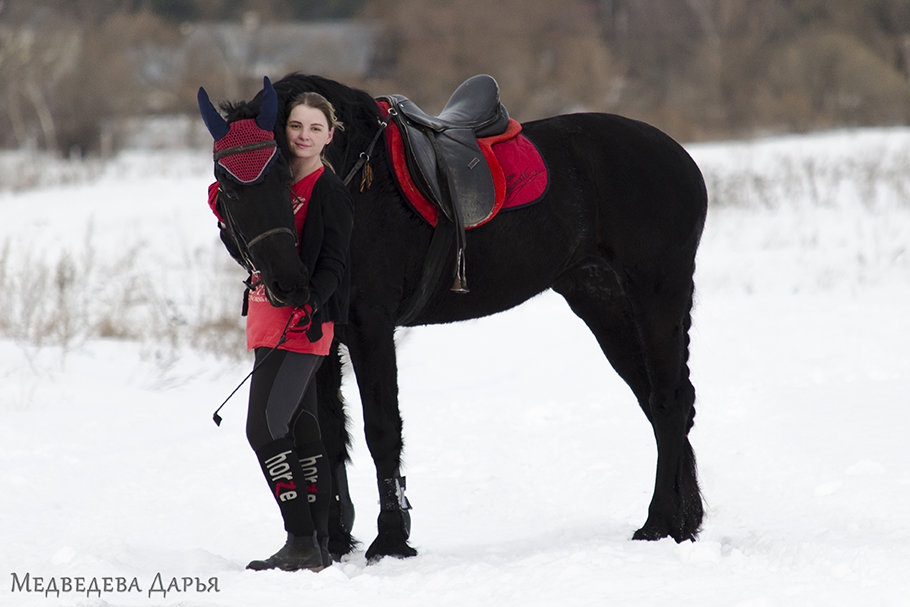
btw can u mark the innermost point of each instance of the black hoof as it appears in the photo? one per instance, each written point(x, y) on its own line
point(342, 545)
point(383, 546)
point(653, 532)
point(341, 521)
point(649, 534)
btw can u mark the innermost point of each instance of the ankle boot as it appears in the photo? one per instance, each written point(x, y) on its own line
point(299, 552)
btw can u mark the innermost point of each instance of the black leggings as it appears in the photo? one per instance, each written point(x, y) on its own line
point(283, 399)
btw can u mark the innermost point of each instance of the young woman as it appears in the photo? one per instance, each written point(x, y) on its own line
point(282, 422)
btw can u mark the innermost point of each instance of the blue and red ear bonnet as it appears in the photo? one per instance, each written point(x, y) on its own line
point(244, 149)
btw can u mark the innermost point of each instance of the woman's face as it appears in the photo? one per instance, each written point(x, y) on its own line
point(308, 132)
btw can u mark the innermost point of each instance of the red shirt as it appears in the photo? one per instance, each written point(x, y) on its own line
point(265, 322)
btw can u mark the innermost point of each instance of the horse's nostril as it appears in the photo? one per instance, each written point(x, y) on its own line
point(284, 287)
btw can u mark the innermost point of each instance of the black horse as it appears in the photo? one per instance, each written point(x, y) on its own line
point(616, 235)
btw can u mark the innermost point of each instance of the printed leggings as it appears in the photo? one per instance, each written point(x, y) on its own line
point(283, 399)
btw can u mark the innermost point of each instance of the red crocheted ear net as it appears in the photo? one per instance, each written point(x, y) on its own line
point(248, 166)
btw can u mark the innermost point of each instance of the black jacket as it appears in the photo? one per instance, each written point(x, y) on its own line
point(325, 247)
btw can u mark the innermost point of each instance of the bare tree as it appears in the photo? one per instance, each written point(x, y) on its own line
point(548, 57)
point(30, 70)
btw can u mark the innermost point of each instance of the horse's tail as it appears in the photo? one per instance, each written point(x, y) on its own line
point(692, 507)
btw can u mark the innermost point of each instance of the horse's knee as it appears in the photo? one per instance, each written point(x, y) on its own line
point(672, 410)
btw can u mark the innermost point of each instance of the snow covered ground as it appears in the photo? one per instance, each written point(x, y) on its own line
point(529, 480)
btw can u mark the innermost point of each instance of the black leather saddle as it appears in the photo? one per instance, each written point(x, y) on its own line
point(442, 153)
point(449, 169)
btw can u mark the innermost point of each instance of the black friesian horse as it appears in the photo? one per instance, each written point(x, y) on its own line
point(616, 235)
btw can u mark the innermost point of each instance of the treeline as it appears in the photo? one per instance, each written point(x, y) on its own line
point(700, 69)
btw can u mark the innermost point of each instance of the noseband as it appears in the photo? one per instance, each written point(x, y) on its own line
point(246, 245)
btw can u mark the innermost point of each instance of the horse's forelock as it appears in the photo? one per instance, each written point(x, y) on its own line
point(240, 110)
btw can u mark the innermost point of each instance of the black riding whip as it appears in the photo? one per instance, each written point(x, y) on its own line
point(281, 340)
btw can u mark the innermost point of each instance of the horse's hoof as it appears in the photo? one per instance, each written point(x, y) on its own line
point(341, 546)
point(394, 547)
point(649, 534)
point(652, 532)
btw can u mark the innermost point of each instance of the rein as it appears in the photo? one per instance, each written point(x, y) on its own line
point(273, 232)
point(244, 246)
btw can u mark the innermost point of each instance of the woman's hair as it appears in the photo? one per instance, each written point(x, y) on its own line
point(317, 102)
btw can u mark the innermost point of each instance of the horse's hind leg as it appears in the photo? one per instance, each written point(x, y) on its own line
point(645, 338)
point(663, 315)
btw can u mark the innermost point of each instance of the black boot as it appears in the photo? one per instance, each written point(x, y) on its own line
point(299, 552)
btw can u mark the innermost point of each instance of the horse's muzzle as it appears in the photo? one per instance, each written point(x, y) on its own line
point(280, 297)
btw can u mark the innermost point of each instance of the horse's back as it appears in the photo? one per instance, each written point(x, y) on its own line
point(619, 190)
point(640, 187)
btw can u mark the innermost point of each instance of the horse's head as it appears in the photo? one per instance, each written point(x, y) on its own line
point(254, 194)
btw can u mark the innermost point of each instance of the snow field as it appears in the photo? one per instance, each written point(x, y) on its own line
point(529, 464)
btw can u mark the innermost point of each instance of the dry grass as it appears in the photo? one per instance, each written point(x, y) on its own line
point(67, 300)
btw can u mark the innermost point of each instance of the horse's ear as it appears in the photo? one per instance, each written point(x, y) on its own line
point(268, 110)
point(217, 125)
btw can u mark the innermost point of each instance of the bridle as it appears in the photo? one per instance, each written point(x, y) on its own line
point(218, 127)
point(244, 245)
point(249, 147)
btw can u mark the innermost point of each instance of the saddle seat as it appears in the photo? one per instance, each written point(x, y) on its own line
point(443, 156)
point(474, 105)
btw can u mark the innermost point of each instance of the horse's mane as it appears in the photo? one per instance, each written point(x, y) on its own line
point(356, 109)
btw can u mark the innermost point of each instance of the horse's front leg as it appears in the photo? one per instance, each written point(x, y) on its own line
point(333, 423)
point(371, 345)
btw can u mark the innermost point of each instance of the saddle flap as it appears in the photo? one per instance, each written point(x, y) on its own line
point(446, 164)
point(421, 160)
point(468, 178)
